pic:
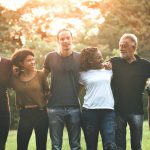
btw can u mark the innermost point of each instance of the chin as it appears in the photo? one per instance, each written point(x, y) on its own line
point(67, 49)
point(122, 56)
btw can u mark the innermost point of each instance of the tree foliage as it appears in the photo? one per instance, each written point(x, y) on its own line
point(95, 23)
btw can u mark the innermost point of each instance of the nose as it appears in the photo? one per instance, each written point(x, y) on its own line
point(33, 62)
point(65, 40)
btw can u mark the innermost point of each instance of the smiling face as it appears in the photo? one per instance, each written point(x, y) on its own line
point(28, 63)
point(65, 40)
point(127, 48)
point(97, 58)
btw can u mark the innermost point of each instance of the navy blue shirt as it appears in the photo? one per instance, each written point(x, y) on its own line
point(64, 79)
point(128, 83)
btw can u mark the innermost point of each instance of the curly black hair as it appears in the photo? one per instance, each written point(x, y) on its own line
point(87, 58)
point(19, 56)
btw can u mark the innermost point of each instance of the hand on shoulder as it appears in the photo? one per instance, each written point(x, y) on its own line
point(107, 65)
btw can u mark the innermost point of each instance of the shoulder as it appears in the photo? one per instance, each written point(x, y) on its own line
point(144, 61)
point(76, 55)
point(7, 64)
point(115, 59)
point(6, 60)
point(14, 80)
point(40, 74)
point(51, 54)
point(51, 57)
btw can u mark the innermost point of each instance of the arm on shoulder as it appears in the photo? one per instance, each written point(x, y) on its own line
point(107, 65)
point(45, 71)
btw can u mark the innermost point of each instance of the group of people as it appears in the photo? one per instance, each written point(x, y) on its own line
point(113, 96)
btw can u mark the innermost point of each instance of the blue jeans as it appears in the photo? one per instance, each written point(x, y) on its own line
point(135, 123)
point(60, 116)
point(95, 121)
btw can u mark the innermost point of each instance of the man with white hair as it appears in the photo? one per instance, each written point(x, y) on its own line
point(130, 73)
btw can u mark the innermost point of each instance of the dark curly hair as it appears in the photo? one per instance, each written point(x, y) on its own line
point(19, 56)
point(87, 58)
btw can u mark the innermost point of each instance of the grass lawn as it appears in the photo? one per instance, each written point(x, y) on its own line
point(11, 142)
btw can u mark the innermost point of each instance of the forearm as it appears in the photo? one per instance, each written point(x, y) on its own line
point(46, 72)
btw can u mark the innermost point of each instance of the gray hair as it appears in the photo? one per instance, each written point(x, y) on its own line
point(131, 37)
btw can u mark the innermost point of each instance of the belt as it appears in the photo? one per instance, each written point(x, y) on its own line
point(33, 106)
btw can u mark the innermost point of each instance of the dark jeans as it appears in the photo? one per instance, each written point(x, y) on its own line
point(135, 123)
point(60, 116)
point(4, 128)
point(32, 118)
point(95, 121)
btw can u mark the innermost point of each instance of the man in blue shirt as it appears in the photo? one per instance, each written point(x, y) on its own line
point(63, 103)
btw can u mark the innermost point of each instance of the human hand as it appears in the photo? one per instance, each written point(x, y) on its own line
point(107, 65)
point(15, 71)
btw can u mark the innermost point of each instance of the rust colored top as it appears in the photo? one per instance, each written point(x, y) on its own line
point(32, 92)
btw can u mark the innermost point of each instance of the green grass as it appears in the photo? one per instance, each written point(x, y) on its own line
point(11, 142)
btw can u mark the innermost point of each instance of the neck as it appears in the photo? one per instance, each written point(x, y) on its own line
point(65, 52)
point(28, 72)
point(131, 59)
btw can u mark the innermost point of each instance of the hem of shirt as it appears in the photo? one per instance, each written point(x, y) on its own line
point(99, 108)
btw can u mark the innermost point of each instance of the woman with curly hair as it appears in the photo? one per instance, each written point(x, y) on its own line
point(98, 114)
point(31, 87)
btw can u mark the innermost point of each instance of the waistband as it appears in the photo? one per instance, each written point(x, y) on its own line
point(63, 107)
point(34, 107)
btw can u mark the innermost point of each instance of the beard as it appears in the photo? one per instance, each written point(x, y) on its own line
point(124, 56)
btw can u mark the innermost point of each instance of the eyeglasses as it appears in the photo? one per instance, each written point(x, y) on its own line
point(125, 45)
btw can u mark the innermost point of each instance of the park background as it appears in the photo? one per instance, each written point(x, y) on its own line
point(100, 23)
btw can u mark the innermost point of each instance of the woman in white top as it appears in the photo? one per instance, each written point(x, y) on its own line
point(98, 107)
